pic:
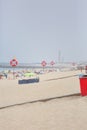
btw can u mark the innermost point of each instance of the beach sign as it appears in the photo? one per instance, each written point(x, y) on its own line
point(14, 62)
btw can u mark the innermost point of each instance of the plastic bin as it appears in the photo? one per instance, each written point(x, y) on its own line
point(83, 85)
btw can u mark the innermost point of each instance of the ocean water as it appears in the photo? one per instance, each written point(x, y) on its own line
point(21, 66)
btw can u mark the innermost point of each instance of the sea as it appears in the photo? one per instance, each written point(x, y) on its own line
point(21, 66)
point(33, 66)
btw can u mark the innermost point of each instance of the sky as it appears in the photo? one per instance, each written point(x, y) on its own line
point(36, 30)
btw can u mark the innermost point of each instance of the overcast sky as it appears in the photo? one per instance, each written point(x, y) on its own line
point(36, 30)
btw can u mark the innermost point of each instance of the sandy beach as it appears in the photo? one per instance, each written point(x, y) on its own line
point(55, 103)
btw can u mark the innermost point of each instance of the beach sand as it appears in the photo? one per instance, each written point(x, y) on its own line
point(55, 103)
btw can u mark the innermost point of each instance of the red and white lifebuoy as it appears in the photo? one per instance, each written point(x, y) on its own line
point(13, 62)
point(52, 63)
point(43, 63)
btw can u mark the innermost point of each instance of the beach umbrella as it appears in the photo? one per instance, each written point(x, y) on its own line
point(29, 74)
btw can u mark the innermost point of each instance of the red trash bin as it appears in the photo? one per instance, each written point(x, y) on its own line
point(83, 85)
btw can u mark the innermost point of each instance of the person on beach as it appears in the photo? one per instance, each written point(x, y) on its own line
point(86, 69)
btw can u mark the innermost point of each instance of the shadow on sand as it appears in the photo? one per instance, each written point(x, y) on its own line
point(62, 77)
point(42, 100)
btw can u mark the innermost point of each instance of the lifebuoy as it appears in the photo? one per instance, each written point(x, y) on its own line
point(13, 62)
point(43, 63)
point(52, 63)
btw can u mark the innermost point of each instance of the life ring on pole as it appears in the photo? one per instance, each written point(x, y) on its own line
point(43, 63)
point(13, 62)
